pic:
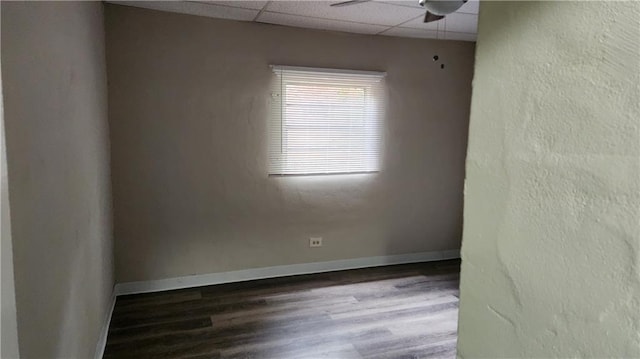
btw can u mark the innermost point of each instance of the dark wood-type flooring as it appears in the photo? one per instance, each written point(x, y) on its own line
point(402, 311)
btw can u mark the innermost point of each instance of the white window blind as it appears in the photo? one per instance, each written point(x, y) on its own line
point(325, 121)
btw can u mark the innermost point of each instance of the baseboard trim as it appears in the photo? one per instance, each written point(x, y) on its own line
point(278, 271)
point(102, 340)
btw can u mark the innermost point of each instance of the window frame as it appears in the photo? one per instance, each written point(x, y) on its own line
point(372, 114)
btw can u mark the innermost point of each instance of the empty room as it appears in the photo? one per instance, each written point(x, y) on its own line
point(320, 179)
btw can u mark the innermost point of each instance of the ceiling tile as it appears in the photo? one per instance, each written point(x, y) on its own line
point(449, 35)
point(419, 23)
point(407, 32)
point(461, 23)
point(367, 12)
point(408, 3)
point(471, 7)
point(365, 18)
point(194, 8)
point(245, 4)
point(453, 22)
point(314, 23)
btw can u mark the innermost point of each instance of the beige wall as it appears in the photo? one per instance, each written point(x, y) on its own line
point(54, 84)
point(552, 206)
point(188, 105)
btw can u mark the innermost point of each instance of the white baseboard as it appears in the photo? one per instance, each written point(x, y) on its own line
point(102, 340)
point(278, 271)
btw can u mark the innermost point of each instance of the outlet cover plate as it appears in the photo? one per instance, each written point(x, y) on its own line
point(315, 242)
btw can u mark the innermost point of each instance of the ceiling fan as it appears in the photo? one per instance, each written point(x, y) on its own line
point(436, 9)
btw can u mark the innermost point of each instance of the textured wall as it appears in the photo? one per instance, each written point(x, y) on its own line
point(54, 84)
point(188, 105)
point(552, 199)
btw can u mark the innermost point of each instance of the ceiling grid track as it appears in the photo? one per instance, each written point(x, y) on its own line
point(399, 25)
point(255, 19)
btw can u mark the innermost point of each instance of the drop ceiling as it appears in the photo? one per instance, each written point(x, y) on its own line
point(401, 18)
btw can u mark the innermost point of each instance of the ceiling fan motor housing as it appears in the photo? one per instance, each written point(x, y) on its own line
point(442, 7)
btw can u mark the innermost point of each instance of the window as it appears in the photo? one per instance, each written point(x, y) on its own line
point(325, 121)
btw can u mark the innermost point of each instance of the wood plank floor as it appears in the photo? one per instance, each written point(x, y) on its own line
point(402, 311)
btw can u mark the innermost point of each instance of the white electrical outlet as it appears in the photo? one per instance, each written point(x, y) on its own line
point(315, 242)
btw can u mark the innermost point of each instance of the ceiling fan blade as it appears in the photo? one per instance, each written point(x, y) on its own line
point(347, 3)
point(429, 17)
